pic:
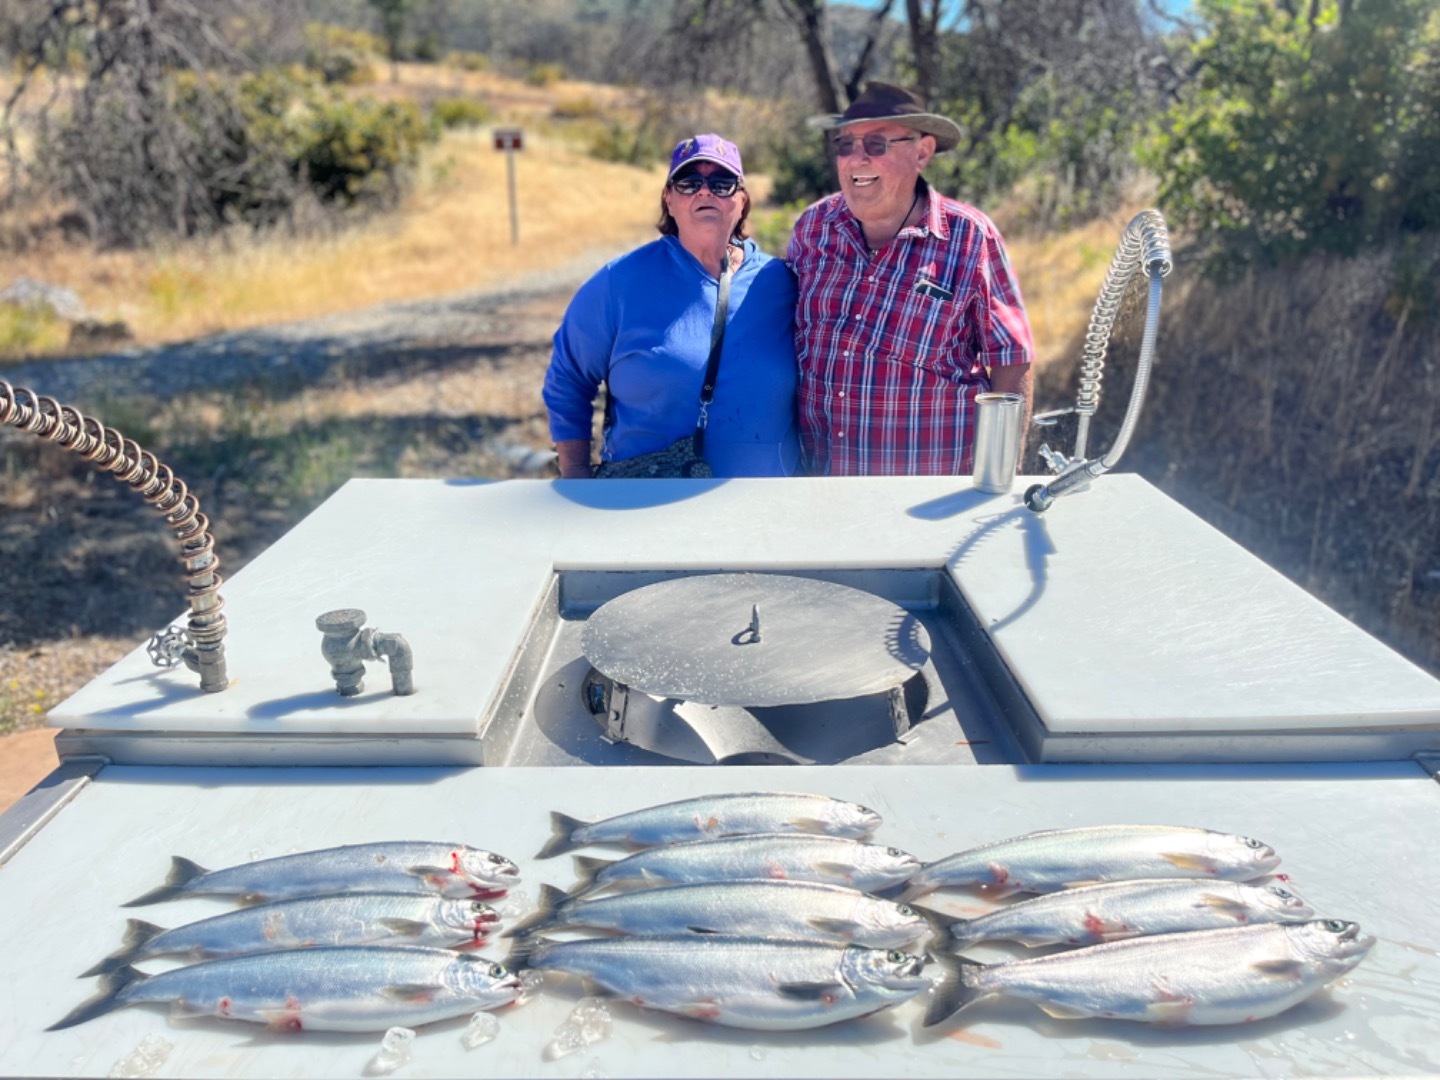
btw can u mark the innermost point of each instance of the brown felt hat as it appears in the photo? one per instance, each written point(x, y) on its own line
point(886, 101)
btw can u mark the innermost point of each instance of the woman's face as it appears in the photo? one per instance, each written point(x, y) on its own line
point(704, 218)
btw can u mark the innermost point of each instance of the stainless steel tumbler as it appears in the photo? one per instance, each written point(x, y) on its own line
point(997, 440)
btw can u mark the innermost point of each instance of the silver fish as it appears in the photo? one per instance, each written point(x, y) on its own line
point(397, 867)
point(788, 910)
point(1058, 858)
point(1123, 909)
point(830, 860)
point(714, 815)
point(323, 989)
point(737, 982)
point(1202, 977)
point(355, 919)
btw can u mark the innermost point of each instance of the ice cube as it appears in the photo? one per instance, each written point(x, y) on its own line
point(482, 1028)
point(593, 1071)
point(394, 1052)
point(145, 1060)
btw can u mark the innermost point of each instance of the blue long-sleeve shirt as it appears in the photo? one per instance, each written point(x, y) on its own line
point(643, 324)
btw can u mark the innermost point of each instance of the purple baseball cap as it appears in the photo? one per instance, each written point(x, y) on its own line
point(706, 148)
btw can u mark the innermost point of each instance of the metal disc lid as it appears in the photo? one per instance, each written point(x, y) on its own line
point(754, 640)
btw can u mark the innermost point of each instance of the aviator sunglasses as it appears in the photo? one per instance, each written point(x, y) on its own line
point(875, 145)
point(721, 185)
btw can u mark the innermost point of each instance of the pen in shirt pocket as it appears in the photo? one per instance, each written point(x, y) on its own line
point(925, 287)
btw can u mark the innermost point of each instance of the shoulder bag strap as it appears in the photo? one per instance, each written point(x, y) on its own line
point(712, 367)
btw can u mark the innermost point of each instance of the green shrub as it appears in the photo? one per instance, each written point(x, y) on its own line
point(771, 228)
point(449, 113)
point(585, 108)
point(629, 145)
point(339, 55)
point(350, 150)
point(544, 75)
point(468, 61)
point(1303, 136)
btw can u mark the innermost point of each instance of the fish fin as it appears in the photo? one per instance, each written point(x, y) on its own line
point(1071, 1012)
point(696, 928)
point(1190, 861)
point(943, 927)
point(182, 872)
point(842, 871)
point(1280, 969)
point(107, 1000)
point(844, 929)
point(587, 868)
point(413, 992)
point(422, 871)
point(137, 933)
point(1168, 1012)
point(955, 989)
point(550, 899)
point(405, 927)
point(808, 825)
point(522, 951)
point(1224, 905)
point(562, 829)
point(811, 991)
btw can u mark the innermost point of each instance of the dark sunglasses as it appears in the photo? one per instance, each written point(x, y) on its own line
point(875, 145)
point(721, 185)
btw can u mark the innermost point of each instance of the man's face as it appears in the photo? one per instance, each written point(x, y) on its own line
point(882, 185)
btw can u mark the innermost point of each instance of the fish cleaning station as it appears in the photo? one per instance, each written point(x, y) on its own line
point(452, 661)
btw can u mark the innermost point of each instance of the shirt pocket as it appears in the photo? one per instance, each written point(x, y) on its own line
point(927, 335)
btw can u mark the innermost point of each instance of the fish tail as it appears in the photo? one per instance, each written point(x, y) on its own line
point(957, 987)
point(522, 955)
point(562, 839)
point(107, 1000)
point(947, 931)
point(138, 933)
point(587, 868)
point(182, 872)
point(550, 899)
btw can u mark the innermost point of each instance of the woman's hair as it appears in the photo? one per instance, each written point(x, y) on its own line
point(668, 227)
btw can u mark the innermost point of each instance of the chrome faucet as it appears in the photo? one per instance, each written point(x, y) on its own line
point(1145, 245)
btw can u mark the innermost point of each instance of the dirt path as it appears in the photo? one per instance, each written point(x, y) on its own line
point(446, 387)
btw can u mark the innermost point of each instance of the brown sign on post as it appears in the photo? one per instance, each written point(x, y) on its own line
point(510, 140)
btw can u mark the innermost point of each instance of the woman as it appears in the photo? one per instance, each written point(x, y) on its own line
point(643, 325)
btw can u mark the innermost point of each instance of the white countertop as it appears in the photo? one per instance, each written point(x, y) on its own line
point(1116, 611)
point(1353, 838)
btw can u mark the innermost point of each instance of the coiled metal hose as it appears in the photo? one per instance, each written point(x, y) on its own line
point(1145, 245)
point(202, 647)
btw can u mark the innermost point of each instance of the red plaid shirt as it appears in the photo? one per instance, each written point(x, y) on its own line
point(893, 349)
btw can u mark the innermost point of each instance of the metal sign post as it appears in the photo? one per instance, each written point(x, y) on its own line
point(510, 140)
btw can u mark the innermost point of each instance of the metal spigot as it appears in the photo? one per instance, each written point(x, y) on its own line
point(346, 647)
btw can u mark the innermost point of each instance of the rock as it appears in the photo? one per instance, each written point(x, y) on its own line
point(99, 333)
point(27, 292)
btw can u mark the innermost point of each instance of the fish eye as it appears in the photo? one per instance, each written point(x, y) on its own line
point(1335, 926)
point(1282, 892)
point(478, 908)
point(497, 859)
point(906, 910)
point(894, 852)
point(497, 971)
point(1253, 844)
point(895, 956)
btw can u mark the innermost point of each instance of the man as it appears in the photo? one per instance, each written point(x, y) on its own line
point(908, 307)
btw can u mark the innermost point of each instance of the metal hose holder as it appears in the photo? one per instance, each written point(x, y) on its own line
point(348, 643)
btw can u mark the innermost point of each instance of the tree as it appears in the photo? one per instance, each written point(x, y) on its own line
point(393, 15)
point(1308, 127)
